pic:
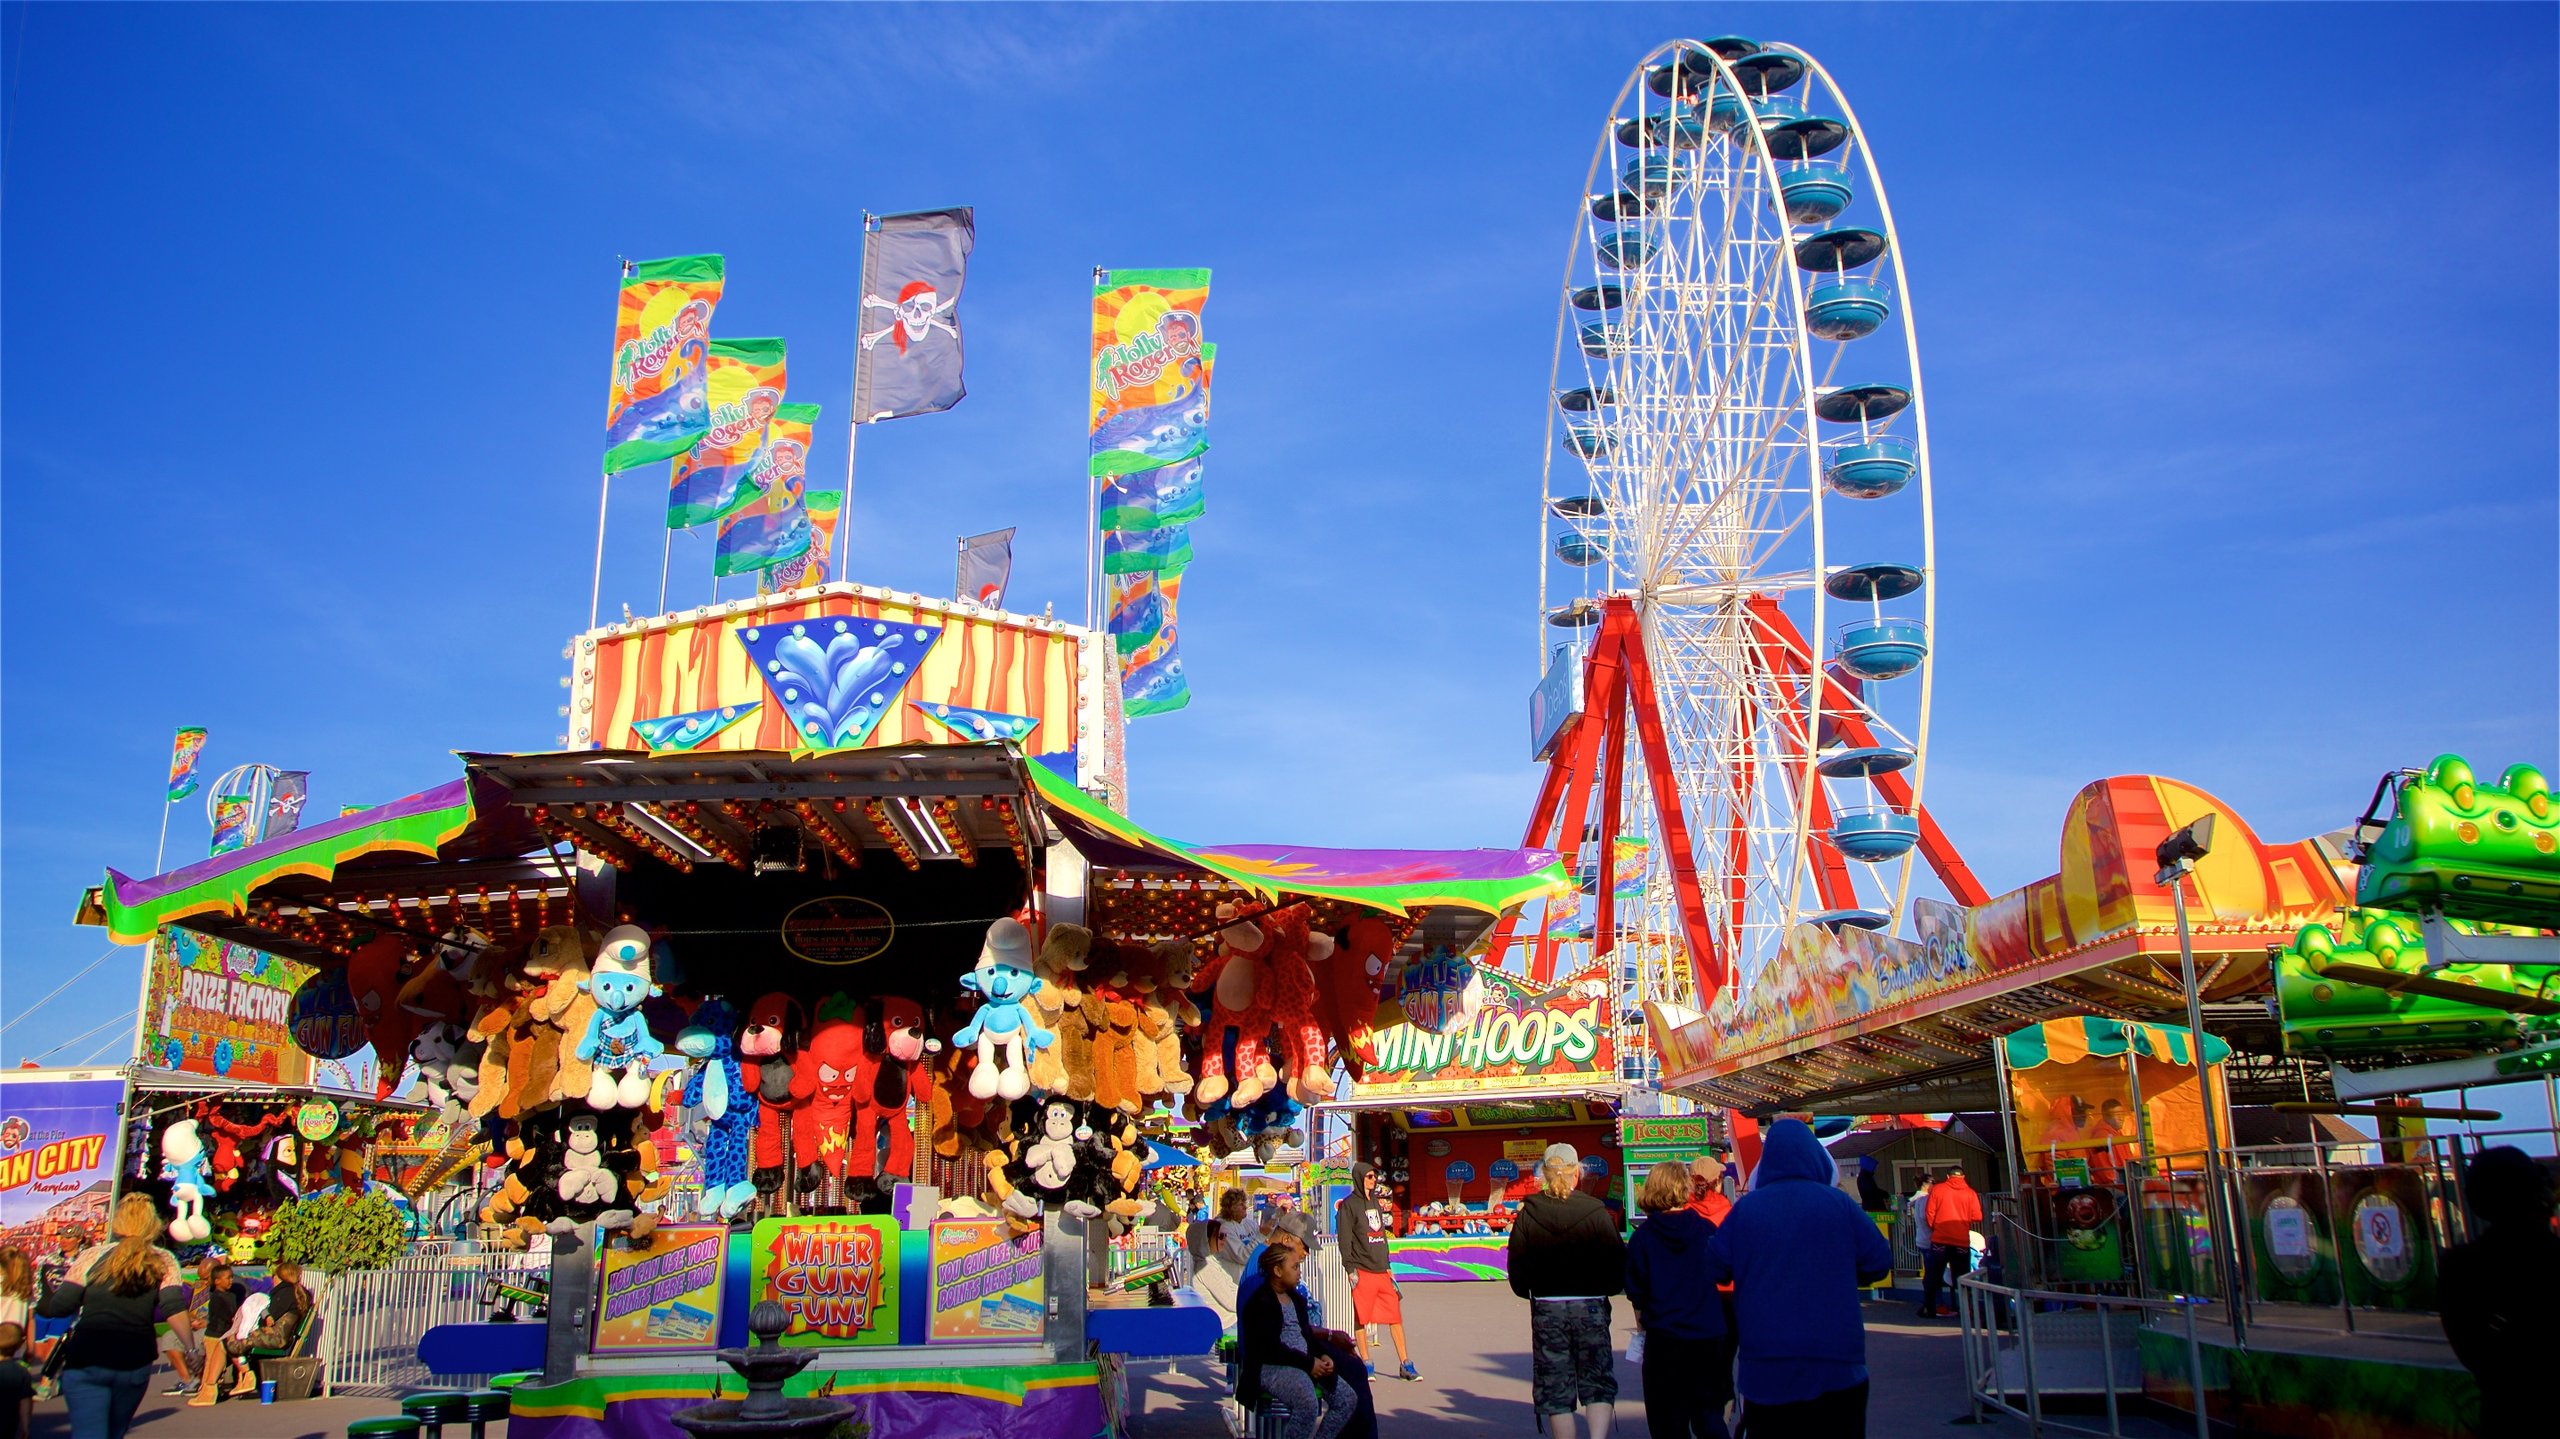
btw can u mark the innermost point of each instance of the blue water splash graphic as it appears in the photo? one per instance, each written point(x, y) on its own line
point(835, 677)
point(684, 731)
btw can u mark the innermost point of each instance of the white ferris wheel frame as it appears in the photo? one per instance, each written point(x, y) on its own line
point(1687, 659)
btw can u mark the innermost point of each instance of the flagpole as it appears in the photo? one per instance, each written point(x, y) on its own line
point(1092, 513)
point(604, 485)
point(666, 553)
point(595, 593)
point(853, 427)
point(160, 856)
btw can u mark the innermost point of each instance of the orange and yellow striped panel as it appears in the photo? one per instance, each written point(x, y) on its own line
point(981, 661)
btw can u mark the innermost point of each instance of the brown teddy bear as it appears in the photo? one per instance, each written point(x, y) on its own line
point(1060, 1004)
point(561, 1008)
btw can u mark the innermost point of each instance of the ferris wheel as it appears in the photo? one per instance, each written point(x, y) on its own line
point(1738, 468)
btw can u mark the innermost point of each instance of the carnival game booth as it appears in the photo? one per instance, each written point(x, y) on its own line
point(907, 994)
point(1457, 1098)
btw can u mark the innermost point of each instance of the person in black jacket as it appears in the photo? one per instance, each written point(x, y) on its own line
point(1362, 1226)
point(1688, 1366)
point(120, 1292)
point(1566, 1259)
point(1281, 1357)
point(2495, 1293)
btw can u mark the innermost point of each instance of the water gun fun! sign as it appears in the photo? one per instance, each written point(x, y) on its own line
point(838, 1277)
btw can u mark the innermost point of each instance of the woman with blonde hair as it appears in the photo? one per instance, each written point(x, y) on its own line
point(120, 1292)
point(1566, 1259)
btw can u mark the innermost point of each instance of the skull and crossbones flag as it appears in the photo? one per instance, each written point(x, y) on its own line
point(913, 267)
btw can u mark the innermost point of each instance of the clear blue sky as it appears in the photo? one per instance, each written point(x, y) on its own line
point(2239, 338)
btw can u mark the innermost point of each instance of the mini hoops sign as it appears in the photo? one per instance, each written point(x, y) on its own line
point(1561, 1035)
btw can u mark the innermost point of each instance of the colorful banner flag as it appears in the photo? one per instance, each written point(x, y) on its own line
point(913, 268)
point(183, 752)
point(774, 526)
point(1137, 613)
point(1166, 550)
point(661, 336)
point(285, 798)
point(1150, 378)
point(1151, 678)
point(745, 386)
point(825, 507)
point(232, 817)
point(1150, 499)
point(986, 567)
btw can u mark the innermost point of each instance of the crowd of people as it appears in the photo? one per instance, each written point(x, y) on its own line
point(1756, 1297)
point(110, 1314)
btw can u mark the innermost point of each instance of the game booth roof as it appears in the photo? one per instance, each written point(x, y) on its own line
point(1849, 1021)
point(490, 850)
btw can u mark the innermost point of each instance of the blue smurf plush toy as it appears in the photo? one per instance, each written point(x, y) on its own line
point(618, 1042)
point(1003, 1028)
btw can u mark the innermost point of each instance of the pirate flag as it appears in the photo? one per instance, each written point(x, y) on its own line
point(913, 267)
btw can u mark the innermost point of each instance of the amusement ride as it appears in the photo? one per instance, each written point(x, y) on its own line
point(1737, 553)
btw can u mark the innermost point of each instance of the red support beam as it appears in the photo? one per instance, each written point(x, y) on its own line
point(1613, 775)
point(1940, 852)
point(1618, 615)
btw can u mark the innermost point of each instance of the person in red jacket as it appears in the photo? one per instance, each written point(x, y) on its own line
point(1954, 1209)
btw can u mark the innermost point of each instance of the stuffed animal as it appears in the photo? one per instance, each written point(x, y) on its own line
point(961, 1119)
point(895, 1044)
point(182, 1163)
point(1052, 1162)
point(232, 1139)
point(719, 1091)
point(1128, 1163)
point(448, 1068)
point(559, 1014)
point(1263, 985)
point(1352, 983)
point(1003, 979)
point(826, 1087)
point(1056, 1004)
point(374, 975)
point(583, 1177)
point(769, 1048)
point(1112, 1010)
point(618, 1042)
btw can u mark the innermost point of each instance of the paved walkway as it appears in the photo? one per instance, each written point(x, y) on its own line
point(1472, 1343)
point(165, 1417)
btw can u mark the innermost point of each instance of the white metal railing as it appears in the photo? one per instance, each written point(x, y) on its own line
point(372, 1319)
point(2035, 1342)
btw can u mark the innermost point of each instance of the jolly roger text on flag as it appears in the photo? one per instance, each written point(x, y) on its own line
point(913, 269)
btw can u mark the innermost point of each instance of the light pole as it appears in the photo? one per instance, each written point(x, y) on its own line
point(2177, 856)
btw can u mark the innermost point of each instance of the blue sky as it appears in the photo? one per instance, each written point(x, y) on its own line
point(2240, 355)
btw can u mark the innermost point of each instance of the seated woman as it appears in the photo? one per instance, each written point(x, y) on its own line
point(1280, 1356)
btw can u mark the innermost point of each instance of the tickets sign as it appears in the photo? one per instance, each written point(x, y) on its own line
point(664, 1299)
point(1517, 1038)
point(987, 1286)
point(838, 1276)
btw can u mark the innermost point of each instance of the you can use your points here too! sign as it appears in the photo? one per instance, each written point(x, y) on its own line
point(837, 1276)
point(1518, 1038)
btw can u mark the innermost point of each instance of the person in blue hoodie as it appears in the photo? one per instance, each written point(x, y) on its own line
point(1688, 1370)
point(1798, 1251)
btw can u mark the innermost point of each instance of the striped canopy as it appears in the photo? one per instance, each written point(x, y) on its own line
point(2059, 1041)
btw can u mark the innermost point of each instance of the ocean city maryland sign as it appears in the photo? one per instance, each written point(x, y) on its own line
point(1519, 1038)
